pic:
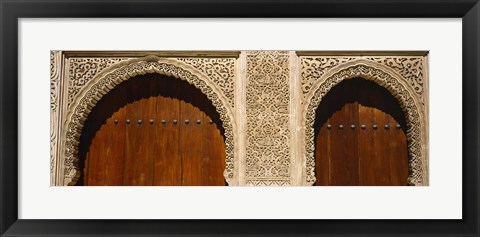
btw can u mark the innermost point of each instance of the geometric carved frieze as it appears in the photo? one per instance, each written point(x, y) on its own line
point(220, 70)
point(268, 182)
point(267, 118)
point(401, 88)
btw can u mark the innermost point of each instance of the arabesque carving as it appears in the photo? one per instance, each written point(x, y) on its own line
point(267, 116)
point(82, 70)
point(401, 90)
point(220, 70)
point(411, 69)
point(313, 68)
point(102, 83)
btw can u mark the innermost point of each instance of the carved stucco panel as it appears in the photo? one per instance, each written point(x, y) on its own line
point(82, 70)
point(267, 117)
point(313, 68)
point(411, 69)
point(220, 70)
point(106, 80)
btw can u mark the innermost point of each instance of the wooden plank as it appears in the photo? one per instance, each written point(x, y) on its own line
point(344, 158)
point(89, 139)
point(84, 153)
point(366, 142)
point(384, 156)
point(167, 162)
point(100, 153)
point(398, 150)
point(322, 141)
point(214, 155)
point(94, 170)
point(116, 146)
point(191, 144)
point(323, 153)
point(105, 140)
point(139, 154)
point(371, 165)
point(381, 165)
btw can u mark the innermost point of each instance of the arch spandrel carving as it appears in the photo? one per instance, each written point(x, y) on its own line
point(82, 70)
point(106, 80)
point(410, 102)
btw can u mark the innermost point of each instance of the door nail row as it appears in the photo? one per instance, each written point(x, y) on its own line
point(163, 121)
point(363, 126)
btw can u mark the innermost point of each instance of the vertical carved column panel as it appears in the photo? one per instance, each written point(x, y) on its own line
point(240, 120)
point(268, 118)
point(55, 79)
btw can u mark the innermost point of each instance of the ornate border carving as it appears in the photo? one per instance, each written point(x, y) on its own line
point(268, 182)
point(106, 80)
point(400, 89)
point(55, 78)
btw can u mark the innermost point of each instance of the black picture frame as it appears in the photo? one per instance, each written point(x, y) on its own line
point(11, 11)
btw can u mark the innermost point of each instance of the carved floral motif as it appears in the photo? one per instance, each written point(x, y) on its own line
point(267, 115)
point(220, 70)
point(313, 68)
point(411, 68)
point(82, 70)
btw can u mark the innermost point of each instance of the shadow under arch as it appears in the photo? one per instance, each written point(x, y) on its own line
point(348, 96)
point(109, 78)
point(116, 99)
point(348, 92)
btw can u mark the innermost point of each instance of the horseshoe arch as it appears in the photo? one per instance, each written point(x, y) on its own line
point(88, 97)
point(400, 89)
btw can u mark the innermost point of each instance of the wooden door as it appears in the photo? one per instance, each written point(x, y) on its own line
point(360, 137)
point(153, 130)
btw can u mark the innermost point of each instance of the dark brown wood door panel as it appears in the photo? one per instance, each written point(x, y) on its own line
point(153, 130)
point(360, 137)
point(167, 164)
point(140, 135)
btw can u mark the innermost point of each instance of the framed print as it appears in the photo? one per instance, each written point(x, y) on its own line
point(364, 112)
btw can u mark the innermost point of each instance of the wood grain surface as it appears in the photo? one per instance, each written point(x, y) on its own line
point(364, 154)
point(174, 137)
